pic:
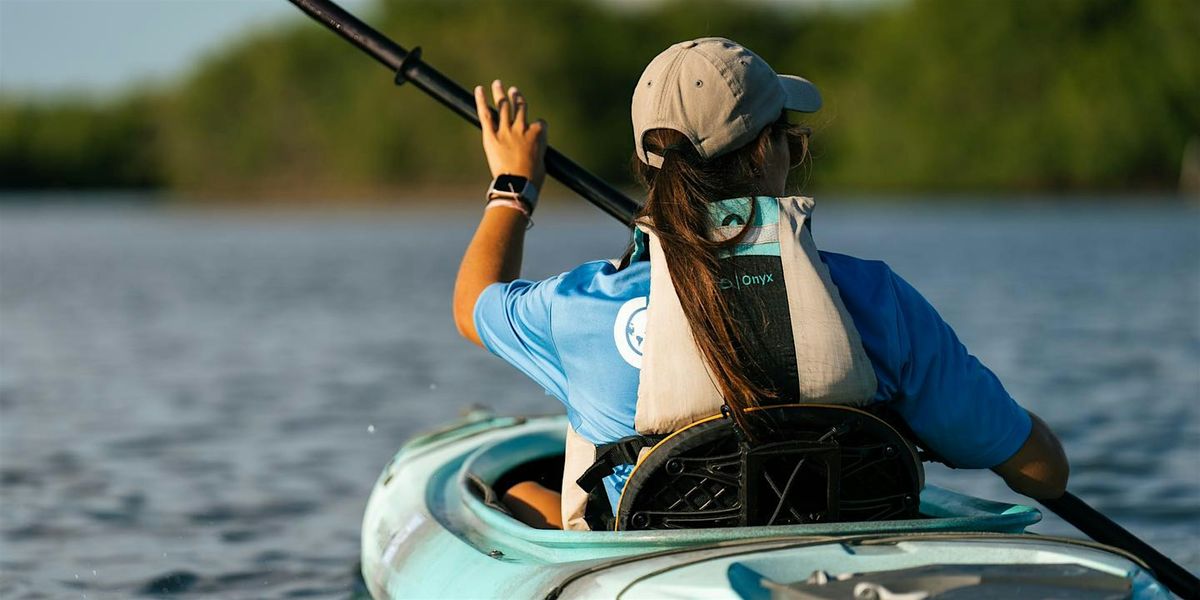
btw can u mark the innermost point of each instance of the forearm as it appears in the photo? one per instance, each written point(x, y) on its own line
point(494, 255)
point(1039, 469)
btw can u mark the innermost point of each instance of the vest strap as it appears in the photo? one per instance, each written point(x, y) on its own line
point(609, 456)
point(624, 451)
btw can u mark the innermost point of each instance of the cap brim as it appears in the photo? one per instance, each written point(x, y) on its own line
point(800, 94)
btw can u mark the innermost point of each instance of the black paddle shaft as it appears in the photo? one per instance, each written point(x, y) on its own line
point(408, 67)
point(1104, 530)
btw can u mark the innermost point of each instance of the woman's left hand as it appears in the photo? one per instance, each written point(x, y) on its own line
point(513, 146)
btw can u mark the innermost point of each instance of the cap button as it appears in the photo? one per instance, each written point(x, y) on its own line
point(691, 44)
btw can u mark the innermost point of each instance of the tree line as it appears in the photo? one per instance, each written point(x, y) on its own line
point(926, 95)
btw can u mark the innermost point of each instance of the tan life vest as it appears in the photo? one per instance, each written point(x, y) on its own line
point(675, 387)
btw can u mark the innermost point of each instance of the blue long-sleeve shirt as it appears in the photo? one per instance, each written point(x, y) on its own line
point(575, 335)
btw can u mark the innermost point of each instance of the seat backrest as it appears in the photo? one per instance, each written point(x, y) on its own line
point(808, 463)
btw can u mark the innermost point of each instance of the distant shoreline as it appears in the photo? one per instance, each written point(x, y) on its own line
point(958, 97)
point(464, 197)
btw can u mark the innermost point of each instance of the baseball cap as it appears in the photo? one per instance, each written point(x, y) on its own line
point(717, 93)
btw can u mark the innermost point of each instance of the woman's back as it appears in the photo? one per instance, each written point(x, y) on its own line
point(648, 347)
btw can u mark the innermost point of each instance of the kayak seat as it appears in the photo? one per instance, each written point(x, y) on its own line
point(807, 463)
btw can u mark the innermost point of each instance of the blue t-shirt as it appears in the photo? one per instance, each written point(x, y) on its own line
point(579, 335)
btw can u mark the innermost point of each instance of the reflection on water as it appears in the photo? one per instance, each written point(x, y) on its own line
point(201, 403)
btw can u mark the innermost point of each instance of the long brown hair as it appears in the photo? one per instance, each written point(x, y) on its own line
point(676, 210)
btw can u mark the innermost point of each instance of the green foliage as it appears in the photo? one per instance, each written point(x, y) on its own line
point(75, 143)
point(1025, 94)
point(930, 94)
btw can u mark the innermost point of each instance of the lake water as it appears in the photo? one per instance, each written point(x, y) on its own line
point(200, 402)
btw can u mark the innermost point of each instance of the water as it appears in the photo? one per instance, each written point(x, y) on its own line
point(201, 402)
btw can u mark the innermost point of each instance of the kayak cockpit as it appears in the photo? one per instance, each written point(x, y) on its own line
point(536, 453)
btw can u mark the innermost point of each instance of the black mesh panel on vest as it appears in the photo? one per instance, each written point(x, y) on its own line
point(757, 296)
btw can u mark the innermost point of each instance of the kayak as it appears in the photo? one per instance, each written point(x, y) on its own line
point(433, 527)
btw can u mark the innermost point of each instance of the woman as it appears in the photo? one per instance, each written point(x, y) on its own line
point(714, 148)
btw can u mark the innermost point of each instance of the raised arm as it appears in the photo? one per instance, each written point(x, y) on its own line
point(513, 147)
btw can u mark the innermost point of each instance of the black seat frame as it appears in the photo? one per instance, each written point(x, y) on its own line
point(806, 463)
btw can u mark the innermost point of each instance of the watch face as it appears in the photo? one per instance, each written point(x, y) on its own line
point(510, 183)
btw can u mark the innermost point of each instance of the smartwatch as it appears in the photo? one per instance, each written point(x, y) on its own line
point(514, 187)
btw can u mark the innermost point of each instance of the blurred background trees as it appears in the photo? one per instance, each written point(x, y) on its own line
point(927, 95)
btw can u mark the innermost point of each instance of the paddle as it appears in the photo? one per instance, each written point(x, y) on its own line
point(1104, 530)
point(408, 67)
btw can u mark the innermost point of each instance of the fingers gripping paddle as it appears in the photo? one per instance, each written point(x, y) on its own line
point(1104, 530)
point(408, 67)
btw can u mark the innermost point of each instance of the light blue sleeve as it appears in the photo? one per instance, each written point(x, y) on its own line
point(513, 321)
point(949, 399)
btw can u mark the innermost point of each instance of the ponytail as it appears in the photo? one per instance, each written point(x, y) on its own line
point(677, 211)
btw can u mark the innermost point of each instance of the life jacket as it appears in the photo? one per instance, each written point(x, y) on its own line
point(806, 342)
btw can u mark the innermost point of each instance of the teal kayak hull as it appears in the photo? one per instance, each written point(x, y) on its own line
point(428, 532)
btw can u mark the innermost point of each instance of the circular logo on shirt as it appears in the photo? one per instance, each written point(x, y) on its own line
point(629, 330)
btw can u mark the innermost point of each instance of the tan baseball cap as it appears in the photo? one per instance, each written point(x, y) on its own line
point(717, 93)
